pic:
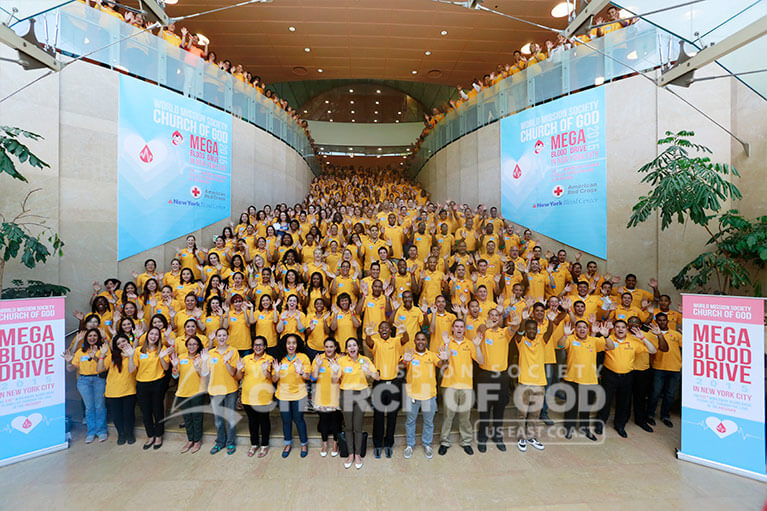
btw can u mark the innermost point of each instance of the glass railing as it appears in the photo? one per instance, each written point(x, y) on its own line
point(78, 30)
point(638, 47)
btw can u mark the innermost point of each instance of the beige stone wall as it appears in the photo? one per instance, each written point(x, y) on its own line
point(638, 114)
point(77, 111)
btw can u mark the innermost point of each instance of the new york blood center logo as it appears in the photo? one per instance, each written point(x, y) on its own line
point(195, 192)
point(176, 138)
point(557, 191)
point(538, 147)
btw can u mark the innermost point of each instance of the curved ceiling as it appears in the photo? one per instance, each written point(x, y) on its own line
point(371, 39)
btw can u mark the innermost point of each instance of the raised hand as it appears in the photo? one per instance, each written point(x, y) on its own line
point(568, 329)
point(129, 351)
point(174, 359)
point(408, 355)
point(298, 366)
point(655, 329)
point(443, 353)
point(68, 356)
point(653, 283)
point(265, 368)
point(240, 365)
point(228, 355)
point(79, 315)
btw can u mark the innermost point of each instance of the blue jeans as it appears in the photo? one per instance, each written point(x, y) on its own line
point(290, 412)
point(91, 389)
point(428, 407)
point(665, 383)
point(551, 375)
point(225, 418)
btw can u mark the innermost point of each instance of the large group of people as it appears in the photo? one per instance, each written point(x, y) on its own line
point(366, 281)
point(535, 55)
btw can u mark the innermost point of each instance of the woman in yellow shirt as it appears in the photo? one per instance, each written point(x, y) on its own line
point(90, 384)
point(172, 277)
point(120, 389)
point(291, 375)
point(237, 321)
point(354, 369)
point(255, 371)
point(219, 366)
point(151, 363)
point(343, 320)
point(327, 395)
point(293, 321)
point(150, 294)
point(191, 257)
point(267, 320)
point(190, 393)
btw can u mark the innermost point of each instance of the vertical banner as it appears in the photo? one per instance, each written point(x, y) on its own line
point(32, 416)
point(723, 383)
point(174, 166)
point(553, 170)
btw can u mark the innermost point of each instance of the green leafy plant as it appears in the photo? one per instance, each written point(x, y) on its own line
point(687, 187)
point(33, 289)
point(17, 239)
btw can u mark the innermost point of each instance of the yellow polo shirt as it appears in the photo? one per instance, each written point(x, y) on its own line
point(582, 359)
point(352, 376)
point(421, 379)
point(532, 365)
point(220, 382)
point(670, 360)
point(326, 393)
point(621, 359)
point(386, 355)
point(257, 390)
point(458, 374)
point(292, 385)
point(495, 349)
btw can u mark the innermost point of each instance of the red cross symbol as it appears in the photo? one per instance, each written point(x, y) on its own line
point(195, 192)
point(558, 191)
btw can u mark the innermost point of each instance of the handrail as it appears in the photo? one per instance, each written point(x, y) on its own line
point(85, 30)
point(640, 46)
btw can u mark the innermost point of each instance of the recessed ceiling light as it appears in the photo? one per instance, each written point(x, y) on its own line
point(353, 120)
point(322, 148)
point(444, 32)
point(399, 113)
point(327, 101)
point(351, 91)
point(378, 91)
point(414, 71)
point(352, 102)
point(375, 112)
point(375, 120)
point(331, 120)
point(351, 148)
point(400, 163)
point(319, 70)
point(525, 49)
point(562, 9)
point(378, 155)
point(307, 50)
point(171, 2)
point(427, 53)
point(292, 29)
point(352, 111)
point(306, 111)
point(396, 120)
point(328, 111)
point(379, 148)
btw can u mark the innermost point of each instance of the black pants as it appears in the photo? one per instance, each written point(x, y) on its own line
point(258, 421)
point(192, 419)
point(123, 411)
point(492, 397)
point(579, 415)
point(330, 424)
point(151, 400)
point(387, 401)
point(641, 394)
point(616, 386)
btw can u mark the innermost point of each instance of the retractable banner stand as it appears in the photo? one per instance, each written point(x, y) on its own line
point(723, 383)
point(32, 416)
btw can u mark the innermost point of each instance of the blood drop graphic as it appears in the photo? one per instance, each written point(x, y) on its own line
point(517, 172)
point(720, 428)
point(27, 424)
point(146, 155)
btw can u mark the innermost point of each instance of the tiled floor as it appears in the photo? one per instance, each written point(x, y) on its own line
point(639, 473)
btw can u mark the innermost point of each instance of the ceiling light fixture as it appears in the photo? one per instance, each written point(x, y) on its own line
point(306, 111)
point(352, 111)
point(525, 49)
point(414, 71)
point(375, 112)
point(378, 91)
point(319, 70)
point(352, 102)
point(377, 103)
point(396, 120)
point(375, 120)
point(331, 120)
point(291, 28)
point(427, 53)
point(562, 9)
point(351, 148)
point(329, 111)
point(444, 32)
point(307, 50)
point(353, 120)
point(351, 91)
point(322, 148)
point(399, 113)
point(379, 148)
point(326, 101)
point(171, 2)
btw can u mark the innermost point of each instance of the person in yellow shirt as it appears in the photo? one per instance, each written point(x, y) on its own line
point(326, 395)
point(190, 394)
point(219, 366)
point(387, 351)
point(394, 234)
point(238, 320)
point(674, 317)
point(626, 310)
point(344, 321)
point(422, 242)
point(374, 306)
point(151, 363)
point(493, 381)
point(120, 390)
point(352, 373)
point(191, 257)
point(255, 371)
point(291, 374)
point(580, 375)
point(431, 282)
point(620, 351)
point(538, 280)
point(410, 316)
point(638, 296)
point(532, 375)
point(667, 367)
point(85, 361)
point(457, 384)
point(421, 390)
point(440, 323)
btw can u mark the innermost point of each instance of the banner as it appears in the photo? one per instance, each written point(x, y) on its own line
point(32, 417)
point(723, 383)
point(553, 170)
point(174, 166)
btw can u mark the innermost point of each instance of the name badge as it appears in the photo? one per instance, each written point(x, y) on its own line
point(427, 278)
point(284, 367)
point(340, 316)
point(260, 316)
point(258, 291)
point(143, 356)
point(314, 322)
point(576, 343)
point(322, 369)
point(402, 318)
point(470, 327)
point(208, 320)
point(415, 362)
point(108, 322)
point(85, 358)
point(232, 319)
point(184, 362)
point(371, 304)
point(214, 360)
point(529, 345)
point(340, 284)
point(348, 369)
point(454, 353)
point(489, 342)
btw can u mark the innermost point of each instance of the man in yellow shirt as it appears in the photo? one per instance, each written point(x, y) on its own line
point(642, 374)
point(493, 381)
point(667, 372)
point(411, 317)
point(421, 388)
point(457, 384)
point(440, 323)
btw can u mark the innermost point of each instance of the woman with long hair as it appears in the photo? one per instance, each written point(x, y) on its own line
point(90, 383)
point(291, 374)
point(151, 363)
point(190, 256)
point(267, 322)
point(190, 393)
point(120, 391)
point(219, 366)
point(326, 395)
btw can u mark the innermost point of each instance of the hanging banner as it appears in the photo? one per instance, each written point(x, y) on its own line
point(32, 416)
point(174, 166)
point(723, 383)
point(553, 170)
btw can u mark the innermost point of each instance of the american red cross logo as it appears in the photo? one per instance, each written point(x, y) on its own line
point(195, 192)
point(558, 191)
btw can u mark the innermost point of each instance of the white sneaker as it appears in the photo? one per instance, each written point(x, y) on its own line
point(334, 453)
point(427, 450)
point(535, 443)
point(408, 452)
point(323, 453)
point(522, 445)
point(358, 465)
point(347, 464)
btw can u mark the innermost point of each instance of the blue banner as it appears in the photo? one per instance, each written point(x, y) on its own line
point(174, 166)
point(553, 174)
